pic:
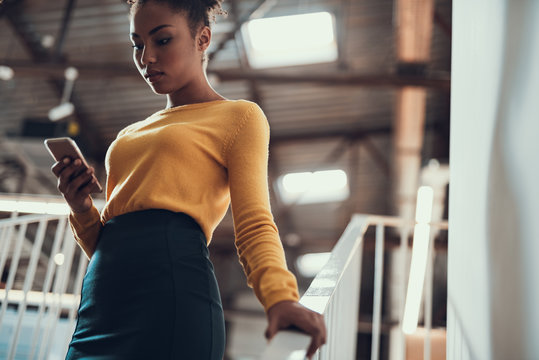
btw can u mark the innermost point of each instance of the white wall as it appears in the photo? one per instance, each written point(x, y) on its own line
point(493, 270)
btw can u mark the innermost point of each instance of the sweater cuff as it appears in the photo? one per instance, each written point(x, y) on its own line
point(277, 284)
point(283, 295)
point(84, 220)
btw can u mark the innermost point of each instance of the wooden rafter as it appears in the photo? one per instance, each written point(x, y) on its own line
point(439, 81)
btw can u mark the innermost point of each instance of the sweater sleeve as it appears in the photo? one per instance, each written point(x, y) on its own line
point(86, 227)
point(257, 240)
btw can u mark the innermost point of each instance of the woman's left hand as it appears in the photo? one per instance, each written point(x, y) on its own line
point(287, 313)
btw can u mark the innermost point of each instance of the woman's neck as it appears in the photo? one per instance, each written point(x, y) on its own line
point(196, 93)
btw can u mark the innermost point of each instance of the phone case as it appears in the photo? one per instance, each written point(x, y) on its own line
point(63, 147)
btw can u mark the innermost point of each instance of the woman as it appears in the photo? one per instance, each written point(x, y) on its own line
point(150, 291)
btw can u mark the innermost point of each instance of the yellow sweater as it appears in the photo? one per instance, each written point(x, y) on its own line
point(197, 159)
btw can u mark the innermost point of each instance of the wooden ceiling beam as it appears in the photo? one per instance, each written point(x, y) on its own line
point(63, 29)
point(343, 20)
point(439, 81)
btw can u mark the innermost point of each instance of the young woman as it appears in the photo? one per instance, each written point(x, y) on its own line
point(150, 290)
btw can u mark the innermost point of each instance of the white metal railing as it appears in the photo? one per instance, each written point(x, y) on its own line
point(335, 291)
point(47, 294)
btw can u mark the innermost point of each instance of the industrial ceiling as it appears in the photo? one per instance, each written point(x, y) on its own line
point(380, 112)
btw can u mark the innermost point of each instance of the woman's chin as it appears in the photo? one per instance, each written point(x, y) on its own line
point(158, 90)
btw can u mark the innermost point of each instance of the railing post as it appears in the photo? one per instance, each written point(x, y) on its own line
point(13, 267)
point(377, 298)
point(428, 297)
point(83, 262)
point(7, 234)
point(51, 267)
point(403, 252)
point(29, 279)
point(59, 288)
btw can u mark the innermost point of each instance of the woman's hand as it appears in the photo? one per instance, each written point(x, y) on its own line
point(288, 313)
point(75, 182)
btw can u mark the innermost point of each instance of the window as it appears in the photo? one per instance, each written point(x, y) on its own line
point(290, 40)
point(313, 187)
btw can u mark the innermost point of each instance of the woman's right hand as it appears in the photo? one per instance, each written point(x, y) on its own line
point(75, 182)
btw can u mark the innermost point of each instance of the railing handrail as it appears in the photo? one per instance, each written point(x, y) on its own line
point(26, 219)
point(322, 295)
point(290, 344)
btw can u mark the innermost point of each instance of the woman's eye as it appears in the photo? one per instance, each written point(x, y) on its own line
point(164, 41)
point(136, 47)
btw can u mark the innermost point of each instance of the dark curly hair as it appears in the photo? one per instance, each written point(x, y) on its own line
point(199, 12)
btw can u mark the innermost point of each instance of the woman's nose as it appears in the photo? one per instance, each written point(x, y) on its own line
point(148, 56)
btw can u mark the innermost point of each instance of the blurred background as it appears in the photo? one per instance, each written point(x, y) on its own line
point(357, 94)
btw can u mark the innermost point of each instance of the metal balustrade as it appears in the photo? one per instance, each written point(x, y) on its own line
point(54, 300)
point(335, 292)
point(48, 297)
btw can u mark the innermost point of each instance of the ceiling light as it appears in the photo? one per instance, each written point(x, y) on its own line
point(313, 187)
point(65, 108)
point(6, 73)
point(61, 111)
point(290, 40)
point(47, 41)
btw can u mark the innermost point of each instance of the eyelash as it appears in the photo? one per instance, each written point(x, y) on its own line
point(161, 42)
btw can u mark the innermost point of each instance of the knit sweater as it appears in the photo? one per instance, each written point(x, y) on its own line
point(198, 159)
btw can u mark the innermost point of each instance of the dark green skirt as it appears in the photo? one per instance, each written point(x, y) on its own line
point(150, 293)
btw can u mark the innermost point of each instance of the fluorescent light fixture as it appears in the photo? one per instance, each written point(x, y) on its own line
point(418, 264)
point(423, 211)
point(290, 40)
point(65, 108)
point(34, 207)
point(6, 73)
point(310, 264)
point(61, 111)
point(314, 187)
point(417, 278)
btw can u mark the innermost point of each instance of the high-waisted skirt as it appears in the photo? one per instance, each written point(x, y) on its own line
point(150, 292)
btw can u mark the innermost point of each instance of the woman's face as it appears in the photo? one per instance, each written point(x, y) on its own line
point(164, 51)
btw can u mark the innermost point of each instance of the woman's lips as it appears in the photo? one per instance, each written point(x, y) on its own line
point(155, 77)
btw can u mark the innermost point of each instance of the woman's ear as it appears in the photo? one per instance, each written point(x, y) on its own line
point(204, 38)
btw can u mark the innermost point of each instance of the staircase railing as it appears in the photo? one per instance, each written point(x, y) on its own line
point(335, 292)
point(55, 294)
point(52, 295)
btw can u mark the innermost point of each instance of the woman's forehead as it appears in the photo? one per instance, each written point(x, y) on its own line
point(147, 17)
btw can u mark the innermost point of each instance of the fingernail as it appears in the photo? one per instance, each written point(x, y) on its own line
point(77, 162)
point(89, 171)
point(66, 160)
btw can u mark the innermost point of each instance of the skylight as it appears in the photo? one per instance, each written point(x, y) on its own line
point(313, 187)
point(290, 40)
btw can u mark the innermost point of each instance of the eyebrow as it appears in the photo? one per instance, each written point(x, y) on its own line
point(152, 31)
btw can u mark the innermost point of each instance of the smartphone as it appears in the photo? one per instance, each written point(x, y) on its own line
point(63, 147)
